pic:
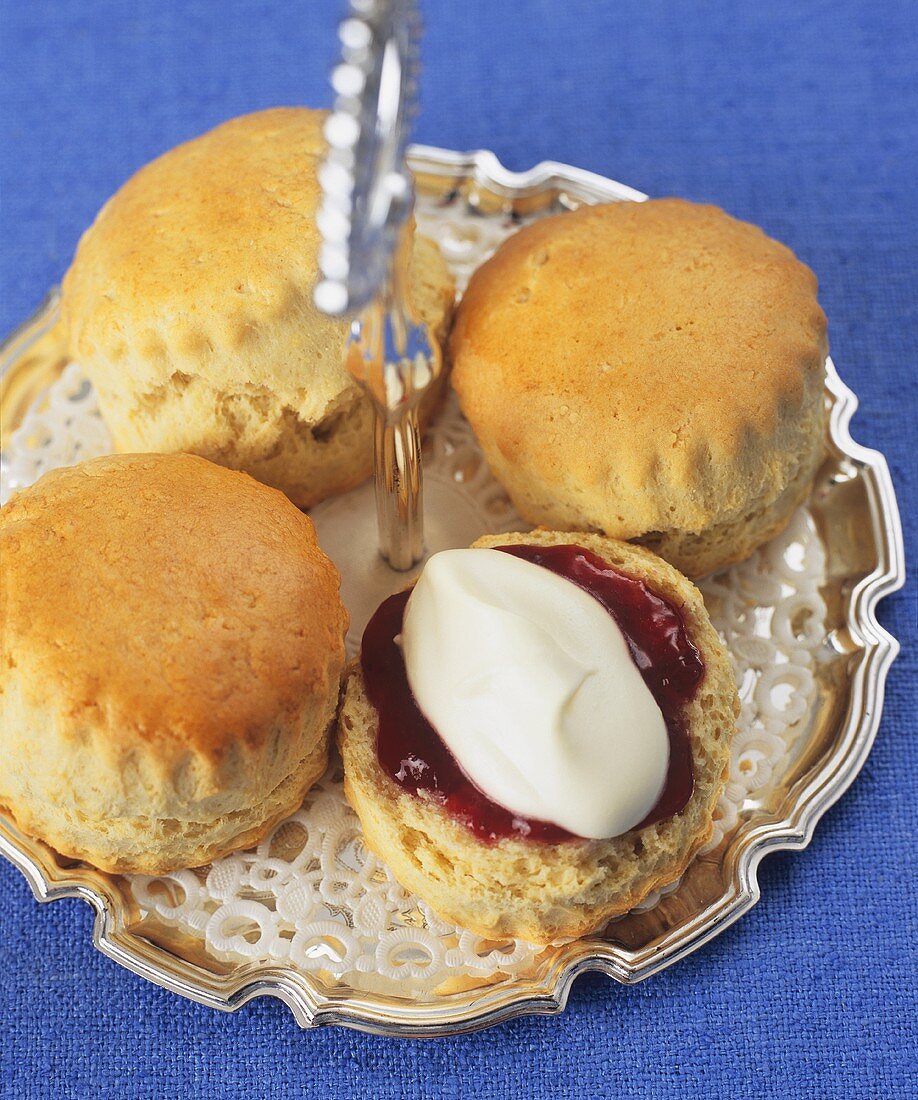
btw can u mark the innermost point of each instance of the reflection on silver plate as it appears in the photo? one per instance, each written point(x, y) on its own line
point(309, 917)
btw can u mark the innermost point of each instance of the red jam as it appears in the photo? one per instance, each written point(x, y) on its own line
point(410, 750)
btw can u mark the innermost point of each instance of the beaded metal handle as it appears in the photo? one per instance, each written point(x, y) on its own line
point(368, 196)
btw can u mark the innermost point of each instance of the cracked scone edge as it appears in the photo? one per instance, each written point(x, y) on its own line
point(529, 890)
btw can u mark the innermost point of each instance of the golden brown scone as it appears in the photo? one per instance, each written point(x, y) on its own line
point(651, 370)
point(189, 305)
point(531, 890)
point(171, 651)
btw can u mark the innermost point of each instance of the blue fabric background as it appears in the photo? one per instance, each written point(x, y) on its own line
point(801, 115)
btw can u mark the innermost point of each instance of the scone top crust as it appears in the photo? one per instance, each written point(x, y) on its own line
point(661, 355)
point(189, 307)
point(161, 603)
point(203, 248)
point(204, 263)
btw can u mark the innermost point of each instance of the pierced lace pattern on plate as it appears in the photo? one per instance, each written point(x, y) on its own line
point(310, 894)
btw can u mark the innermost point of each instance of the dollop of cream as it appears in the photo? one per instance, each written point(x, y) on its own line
point(530, 683)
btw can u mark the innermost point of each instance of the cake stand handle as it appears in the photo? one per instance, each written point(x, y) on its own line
point(399, 489)
point(365, 222)
point(396, 360)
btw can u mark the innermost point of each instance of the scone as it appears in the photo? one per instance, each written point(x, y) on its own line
point(650, 370)
point(171, 651)
point(485, 866)
point(189, 306)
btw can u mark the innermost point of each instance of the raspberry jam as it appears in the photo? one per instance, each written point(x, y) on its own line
point(410, 750)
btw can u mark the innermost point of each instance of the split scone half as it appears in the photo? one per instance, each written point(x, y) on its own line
point(535, 889)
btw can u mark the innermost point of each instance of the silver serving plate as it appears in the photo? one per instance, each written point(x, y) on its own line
point(855, 511)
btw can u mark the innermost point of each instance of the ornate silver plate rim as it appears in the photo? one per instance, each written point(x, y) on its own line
point(810, 798)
